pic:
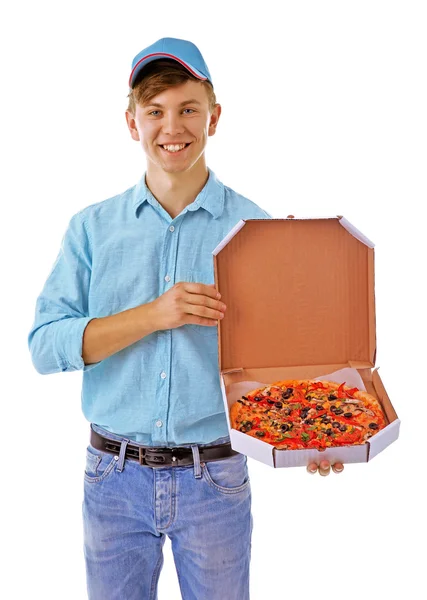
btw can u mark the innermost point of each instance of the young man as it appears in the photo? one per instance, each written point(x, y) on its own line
point(131, 301)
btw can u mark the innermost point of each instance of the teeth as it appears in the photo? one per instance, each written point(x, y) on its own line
point(174, 148)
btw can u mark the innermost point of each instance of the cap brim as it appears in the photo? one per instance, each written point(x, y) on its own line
point(150, 57)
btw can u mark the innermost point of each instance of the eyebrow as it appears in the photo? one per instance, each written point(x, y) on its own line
point(193, 101)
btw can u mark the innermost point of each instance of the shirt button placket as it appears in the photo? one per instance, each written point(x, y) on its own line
point(171, 243)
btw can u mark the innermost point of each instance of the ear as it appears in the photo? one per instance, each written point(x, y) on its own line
point(130, 119)
point(214, 119)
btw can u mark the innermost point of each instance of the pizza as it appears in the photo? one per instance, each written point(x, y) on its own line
point(299, 414)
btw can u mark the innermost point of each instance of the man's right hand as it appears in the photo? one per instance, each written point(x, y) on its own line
point(188, 303)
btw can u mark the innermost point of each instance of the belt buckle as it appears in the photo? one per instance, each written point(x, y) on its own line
point(153, 457)
point(156, 457)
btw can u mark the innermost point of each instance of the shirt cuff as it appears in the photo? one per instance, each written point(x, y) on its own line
point(69, 344)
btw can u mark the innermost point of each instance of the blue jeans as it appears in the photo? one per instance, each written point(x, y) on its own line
point(128, 509)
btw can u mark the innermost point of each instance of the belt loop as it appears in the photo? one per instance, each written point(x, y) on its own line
point(121, 461)
point(196, 459)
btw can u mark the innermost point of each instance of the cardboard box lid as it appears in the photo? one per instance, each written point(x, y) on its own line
point(298, 292)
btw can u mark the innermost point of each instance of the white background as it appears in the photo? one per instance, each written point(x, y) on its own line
point(324, 113)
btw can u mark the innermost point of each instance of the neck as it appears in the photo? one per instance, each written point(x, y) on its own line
point(175, 191)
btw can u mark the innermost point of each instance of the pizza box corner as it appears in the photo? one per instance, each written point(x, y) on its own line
point(300, 305)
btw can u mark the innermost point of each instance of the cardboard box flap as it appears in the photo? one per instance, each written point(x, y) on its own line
point(298, 292)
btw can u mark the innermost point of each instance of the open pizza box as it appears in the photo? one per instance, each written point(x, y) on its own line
point(300, 305)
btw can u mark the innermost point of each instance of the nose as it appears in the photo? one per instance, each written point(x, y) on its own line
point(172, 124)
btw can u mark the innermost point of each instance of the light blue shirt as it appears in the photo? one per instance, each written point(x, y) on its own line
point(163, 390)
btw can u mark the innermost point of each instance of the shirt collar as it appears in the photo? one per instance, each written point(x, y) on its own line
point(211, 197)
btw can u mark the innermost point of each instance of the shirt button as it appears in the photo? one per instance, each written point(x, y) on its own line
point(159, 423)
point(167, 278)
point(171, 228)
point(163, 375)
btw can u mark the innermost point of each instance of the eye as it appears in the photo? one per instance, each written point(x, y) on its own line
point(154, 111)
point(189, 109)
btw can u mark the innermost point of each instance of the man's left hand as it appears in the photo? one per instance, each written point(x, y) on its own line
point(324, 467)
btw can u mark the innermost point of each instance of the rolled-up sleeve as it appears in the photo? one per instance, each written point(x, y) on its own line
point(61, 315)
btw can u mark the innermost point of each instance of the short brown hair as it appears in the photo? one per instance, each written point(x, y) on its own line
point(158, 76)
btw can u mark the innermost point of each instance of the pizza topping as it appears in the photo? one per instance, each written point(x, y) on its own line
point(373, 425)
point(246, 426)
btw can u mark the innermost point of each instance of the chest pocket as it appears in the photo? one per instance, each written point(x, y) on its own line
point(206, 277)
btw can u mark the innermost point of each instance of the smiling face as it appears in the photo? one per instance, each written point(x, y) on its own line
point(178, 118)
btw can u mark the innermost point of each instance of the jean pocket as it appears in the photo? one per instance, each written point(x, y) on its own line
point(229, 475)
point(99, 465)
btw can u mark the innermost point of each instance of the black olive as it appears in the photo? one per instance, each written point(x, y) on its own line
point(268, 392)
point(325, 419)
point(373, 425)
point(260, 433)
point(241, 401)
point(285, 427)
point(246, 426)
point(270, 401)
point(338, 411)
point(285, 395)
point(244, 397)
point(335, 424)
point(290, 390)
point(319, 407)
point(343, 428)
point(257, 398)
point(333, 408)
point(309, 421)
point(347, 415)
point(308, 397)
point(278, 404)
point(328, 431)
point(332, 397)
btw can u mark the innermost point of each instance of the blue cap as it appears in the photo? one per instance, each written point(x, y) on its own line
point(184, 52)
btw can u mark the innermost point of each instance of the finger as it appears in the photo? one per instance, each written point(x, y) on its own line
point(312, 468)
point(324, 468)
point(201, 301)
point(207, 309)
point(203, 289)
point(337, 467)
point(198, 314)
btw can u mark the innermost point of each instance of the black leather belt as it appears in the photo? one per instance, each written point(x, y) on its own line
point(149, 456)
